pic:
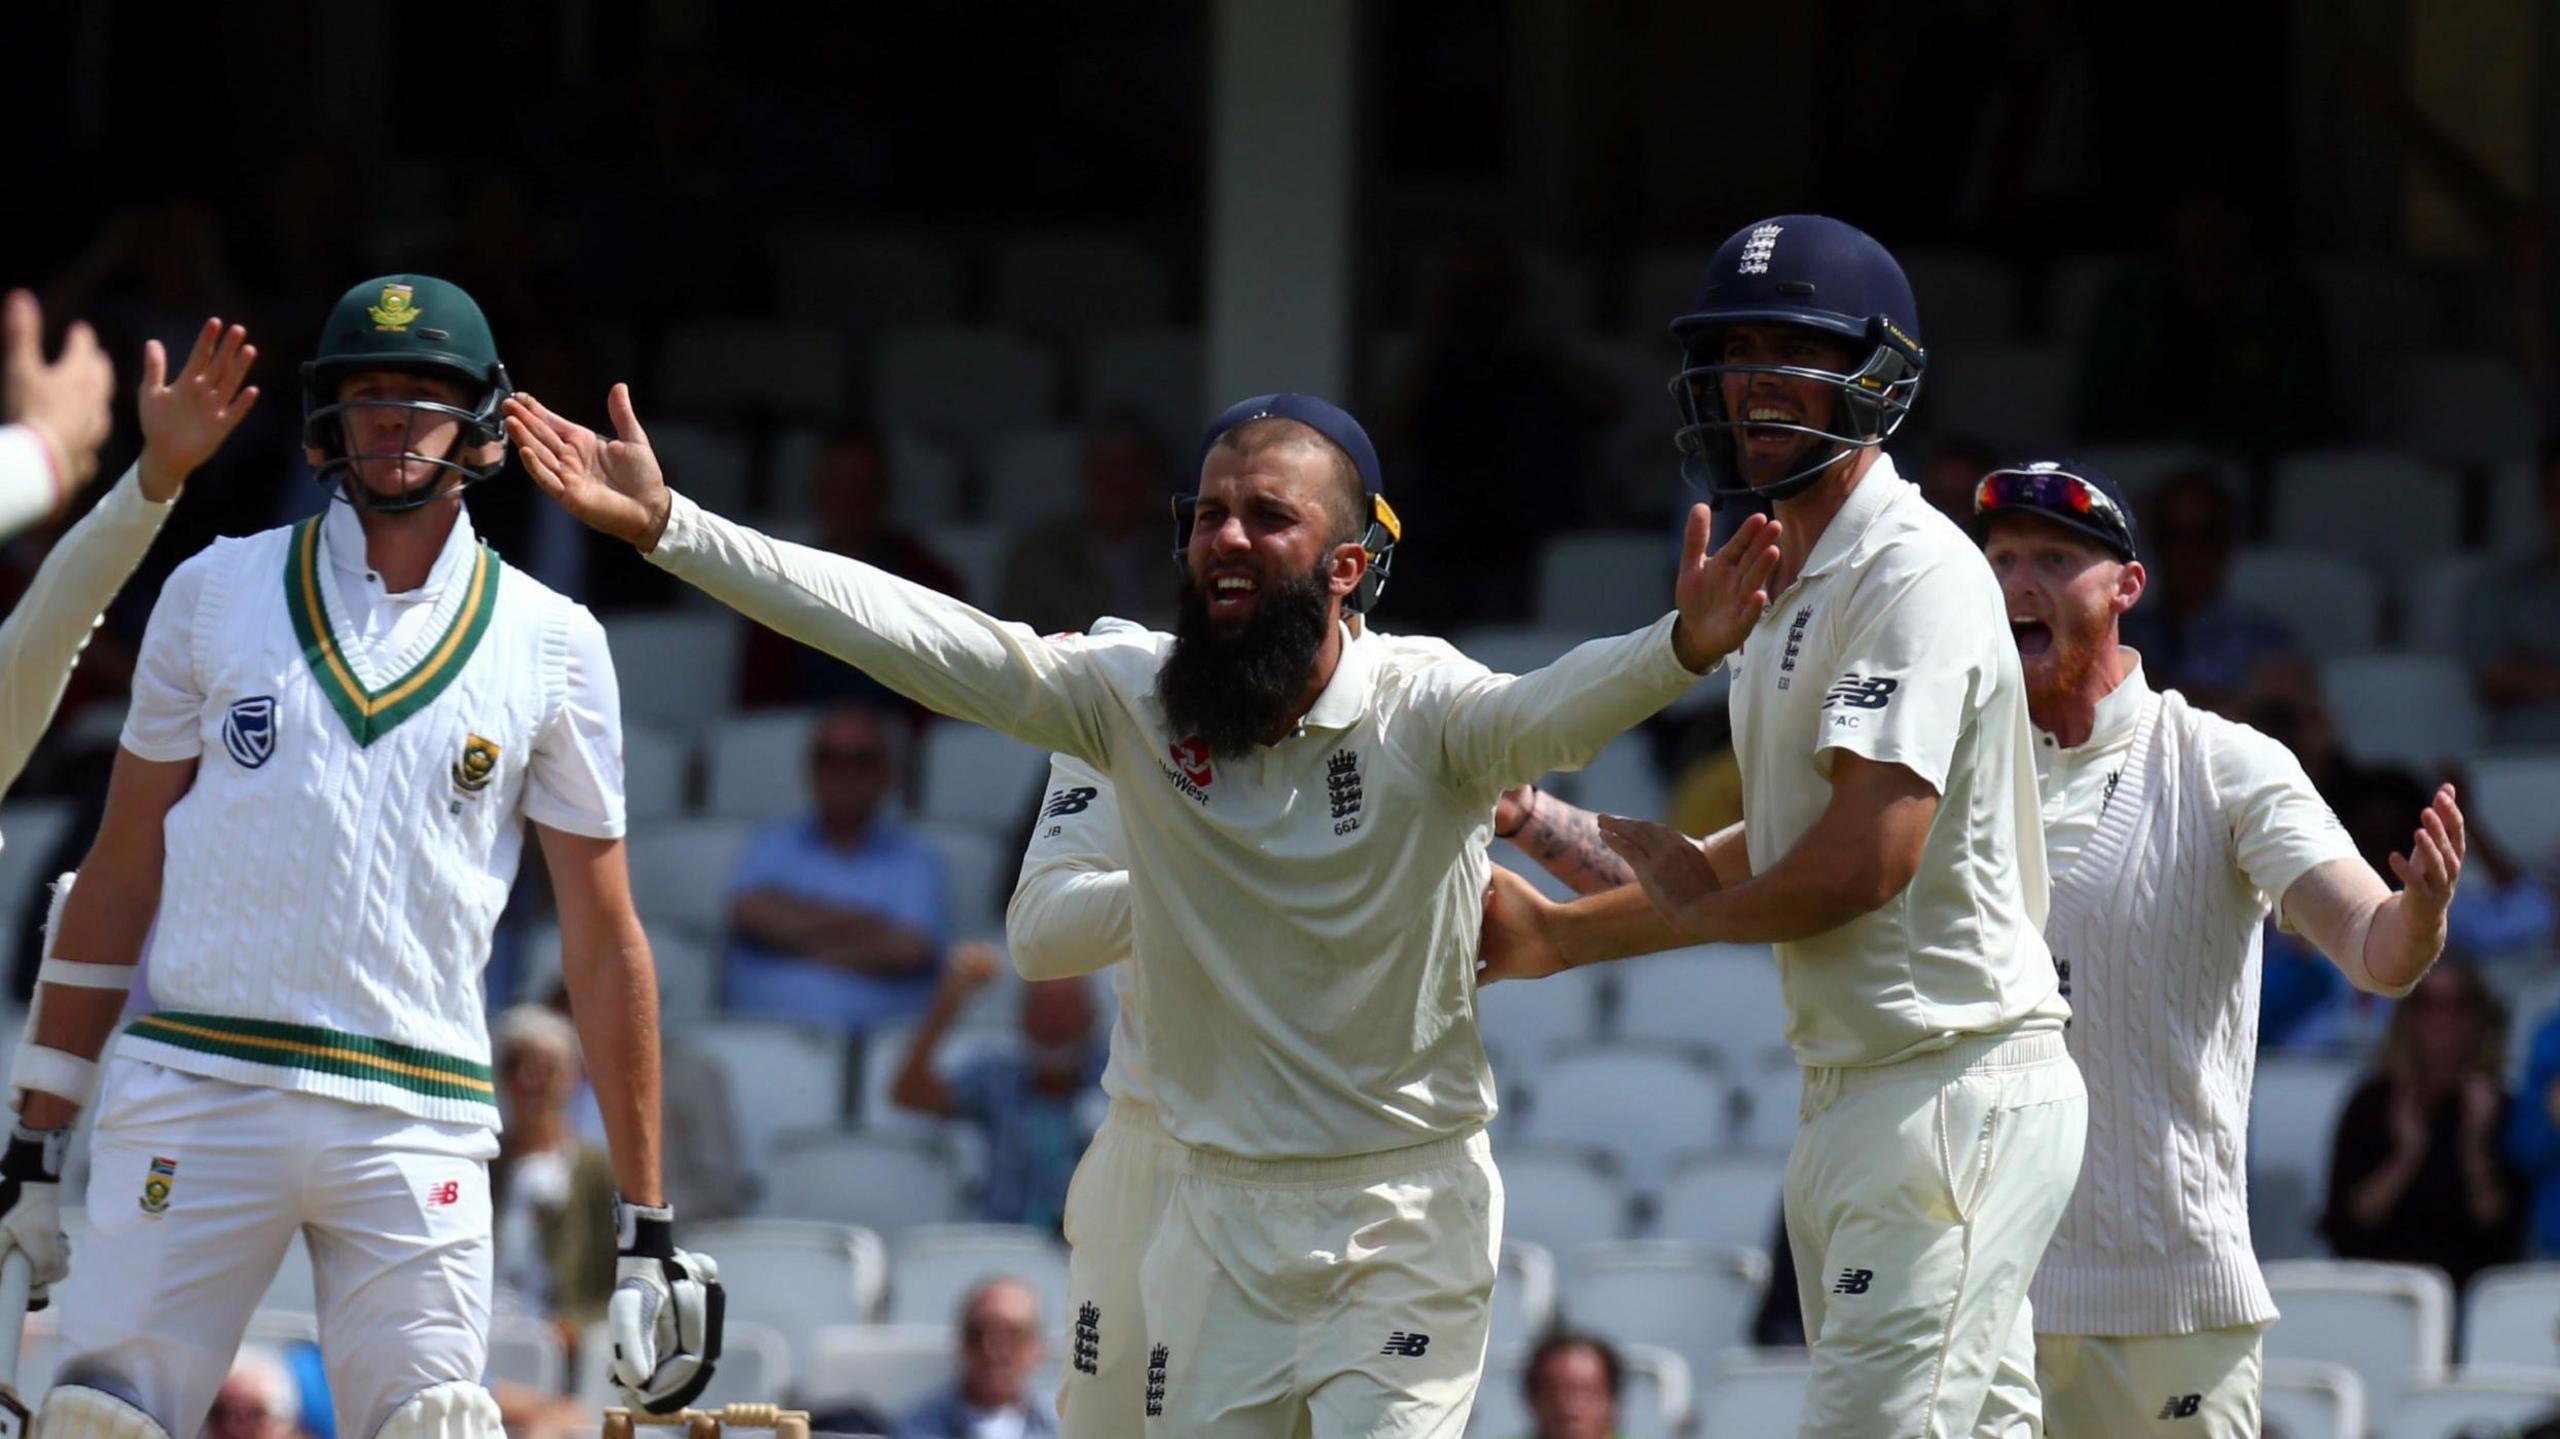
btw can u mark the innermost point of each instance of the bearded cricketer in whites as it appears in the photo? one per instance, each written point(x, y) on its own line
point(2171, 833)
point(338, 730)
point(1889, 853)
point(1304, 811)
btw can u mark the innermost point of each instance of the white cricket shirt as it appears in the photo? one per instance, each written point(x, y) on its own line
point(1305, 916)
point(1894, 644)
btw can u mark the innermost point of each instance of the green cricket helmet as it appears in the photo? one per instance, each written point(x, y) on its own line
point(413, 324)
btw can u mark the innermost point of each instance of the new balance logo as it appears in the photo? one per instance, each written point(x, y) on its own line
point(1410, 1346)
point(1859, 692)
point(1069, 801)
point(2182, 1406)
point(1854, 1281)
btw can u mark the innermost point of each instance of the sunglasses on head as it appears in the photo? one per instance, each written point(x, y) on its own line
point(2052, 492)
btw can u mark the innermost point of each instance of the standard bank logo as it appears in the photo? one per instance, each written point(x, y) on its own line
point(249, 731)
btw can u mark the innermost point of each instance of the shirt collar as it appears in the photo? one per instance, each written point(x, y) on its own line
point(1874, 493)
point(1346, 695)
point(342, 539)
point(2118, 713)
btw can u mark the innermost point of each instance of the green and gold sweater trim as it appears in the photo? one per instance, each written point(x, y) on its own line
point(323, 1051)
point(371, 714)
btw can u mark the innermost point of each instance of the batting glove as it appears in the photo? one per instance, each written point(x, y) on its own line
point(665, 1314)
point(31, 1205)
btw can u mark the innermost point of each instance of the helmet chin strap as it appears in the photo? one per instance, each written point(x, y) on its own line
point(1808, 477)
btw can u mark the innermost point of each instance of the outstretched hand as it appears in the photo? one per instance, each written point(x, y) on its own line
point(1515, 943)
point(2433, 865)
point(1674, 871)
point(186, 419)
point(610, 485)
point(70, 403)
point(1721, 595)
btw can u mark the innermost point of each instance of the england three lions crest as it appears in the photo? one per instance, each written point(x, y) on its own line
point(478, 766)
point(249, 731)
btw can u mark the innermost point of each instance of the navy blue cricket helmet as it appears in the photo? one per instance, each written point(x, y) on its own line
point(1808, 270)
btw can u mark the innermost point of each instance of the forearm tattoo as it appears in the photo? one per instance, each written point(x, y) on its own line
point(1565, 841)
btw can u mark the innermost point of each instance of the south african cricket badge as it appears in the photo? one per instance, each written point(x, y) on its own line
point(478, 765)
point(156, 1186)
point(398, 309)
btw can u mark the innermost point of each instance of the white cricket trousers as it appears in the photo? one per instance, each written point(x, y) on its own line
point(1323, 1299)
point(1919, 1198)
point(2203, 1385)
point(1114, 1204)
point(197, 1185)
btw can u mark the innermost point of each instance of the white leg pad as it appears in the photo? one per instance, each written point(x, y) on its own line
point(90, 1407)
point(456, 1409)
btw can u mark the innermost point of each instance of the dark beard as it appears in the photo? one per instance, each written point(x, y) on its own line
point(1233, 691)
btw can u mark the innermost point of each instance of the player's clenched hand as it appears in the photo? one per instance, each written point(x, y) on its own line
point(666, 1312)
point(186, 419)
point(31, 1206)
point(69, 402)
point(610, 485)
point(1517, 942)
point(1721, 595)
point(1672, 868)
point(2433, 865)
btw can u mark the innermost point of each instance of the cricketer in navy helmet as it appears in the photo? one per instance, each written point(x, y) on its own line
point(1304, 813)
point(1890, 855)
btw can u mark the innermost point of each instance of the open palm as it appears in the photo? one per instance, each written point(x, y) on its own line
point(184, 420)
point(1721, 595)
point(610, 485)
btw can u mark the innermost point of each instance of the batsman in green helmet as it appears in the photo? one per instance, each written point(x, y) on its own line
point(403, 395)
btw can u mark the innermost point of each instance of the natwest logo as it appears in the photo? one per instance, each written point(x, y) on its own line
point(1191, 756)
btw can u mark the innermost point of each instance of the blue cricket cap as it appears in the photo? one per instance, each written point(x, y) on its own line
point(1322, 416)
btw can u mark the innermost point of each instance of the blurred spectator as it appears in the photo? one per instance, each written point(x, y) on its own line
point(1111, 558)
point(2194, 638)
point(2216, 341)
point(2533, 1133)
point(999, 1349)
point(1572, 1385)
point(2419, 1171)
point(849, 494)
point(2508, 637)
point(1947, 479)
point(1490, 434)
point(1030, 1105)
point(837, 918)
point(551, 1191)
point(257, 1399)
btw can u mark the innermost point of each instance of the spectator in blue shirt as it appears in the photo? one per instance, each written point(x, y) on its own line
point(838, 918)
point(999, 1350)
point(2194, 638)
point(1031, 1105)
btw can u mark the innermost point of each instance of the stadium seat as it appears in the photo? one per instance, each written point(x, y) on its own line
point(676, 670)
point(1690, 1299)
point(1074, 284)
point(2072, 300)
point(2142, 469)
point(2015, 397)
point(2330, 602)
point(1637, 1103)
point(688, 975)
point(870, 279)
point(2511, 1317)
point(722, 368)
point(2305, 1400)
point(956, 382)
point(2293, 1120)
point(756, 1361)
point(1772, 1095)
point(927, 485)
point(2432, 599)
point(2516, 524)
point(887, 1368)
point(973, 775)
point(1662, 285)
point(1157, 374)
point(1560, 1198)
point(655, 765)
point(2391, 1323)
point(1724, 999)
point(525, 1350)
point(886, 1183)
point(1655, 1402)
point(933, 1268)
point(976, 553)
point(1755, 1392)
point(1523, 1024)
point(1963, 298)
point(977, 872)
point(1605, 582)
point(2404, 707)
point(680, 872)
point(797, 1275)
point(2375, 505)
point(708, 462)
point(786, 1077)
point(1723, 1201)
point(2475, 1402)
point(2457, 408)
point(2517, 796)
point(756, 766)
point(1524, 1296)
point(1033, 476)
